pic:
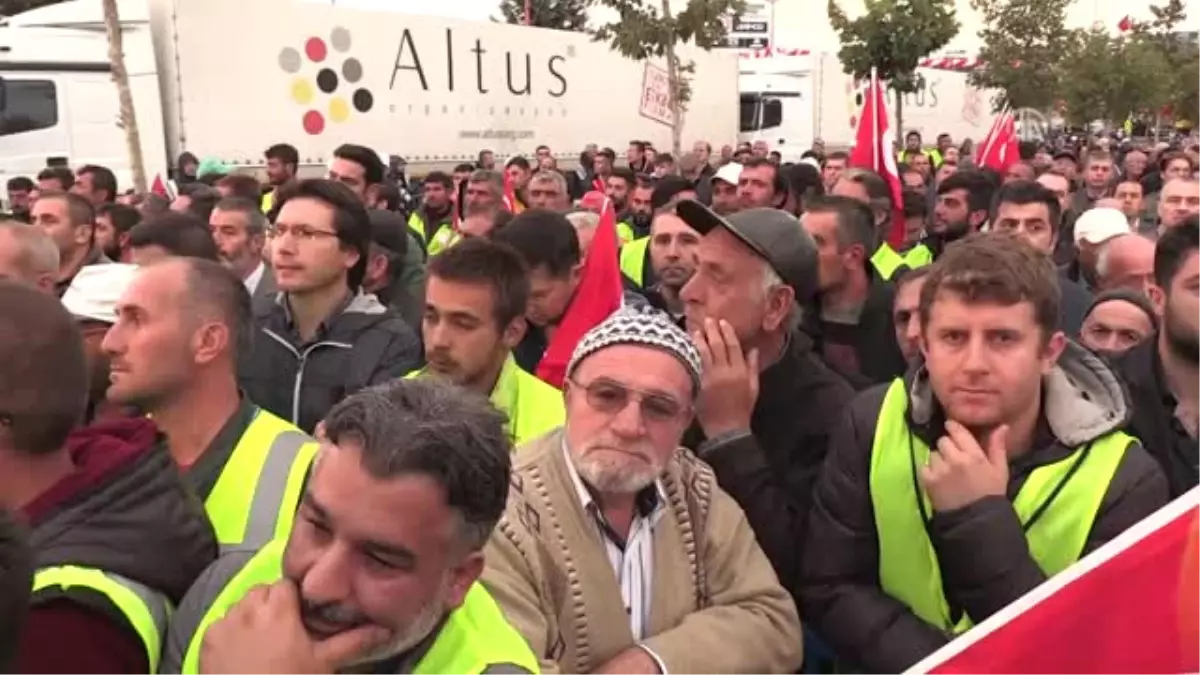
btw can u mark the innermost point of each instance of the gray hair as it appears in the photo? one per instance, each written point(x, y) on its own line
point(493, 178)
point(555, 177)
point(431, 428)
point(256, 221)
point(37, 253)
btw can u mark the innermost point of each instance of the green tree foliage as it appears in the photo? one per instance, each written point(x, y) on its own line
point(1113, 77)
point(653, 28)
point(1024, 41)
point(892, 37)
point(557, 14)
point(1181, 54)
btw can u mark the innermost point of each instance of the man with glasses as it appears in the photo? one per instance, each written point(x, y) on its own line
point(323, 338)
point(612, 497)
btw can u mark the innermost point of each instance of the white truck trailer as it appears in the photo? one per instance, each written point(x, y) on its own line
point(228, 78)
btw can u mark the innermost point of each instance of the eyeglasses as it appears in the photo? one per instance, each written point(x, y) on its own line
point(610, 398)
point(301, 232)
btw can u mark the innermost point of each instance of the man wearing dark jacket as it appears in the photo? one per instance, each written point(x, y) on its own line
point(1162, 373)
point(856, 329)
point(768, 400)
point(322, 339)
point(1030, 211)
point(908, 547)
point(116, 537)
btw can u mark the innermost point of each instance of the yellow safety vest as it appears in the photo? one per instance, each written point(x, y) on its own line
point(268, 200)
point(255, 498)
point(1057, 504)
point(532, 406)
point(633, 260)
point(475, 635)
point(624, 233)
point(443, 238)
point(145, 609)
point(886, 260)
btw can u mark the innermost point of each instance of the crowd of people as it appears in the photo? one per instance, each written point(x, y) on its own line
point(301, 427)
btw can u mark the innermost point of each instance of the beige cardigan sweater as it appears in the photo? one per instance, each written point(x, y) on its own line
point(716, 604)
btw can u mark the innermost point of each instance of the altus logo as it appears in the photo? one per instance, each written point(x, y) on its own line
point(332, 106)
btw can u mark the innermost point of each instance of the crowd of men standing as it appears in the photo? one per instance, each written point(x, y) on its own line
point(301, 428)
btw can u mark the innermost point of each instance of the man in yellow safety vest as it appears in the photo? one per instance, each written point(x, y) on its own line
point(380, 571)
point(955, 490)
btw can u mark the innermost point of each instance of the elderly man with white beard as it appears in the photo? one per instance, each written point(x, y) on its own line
point(617, 551)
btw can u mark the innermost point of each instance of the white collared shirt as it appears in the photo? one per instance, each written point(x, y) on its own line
point(255, 277)
point(633, 562)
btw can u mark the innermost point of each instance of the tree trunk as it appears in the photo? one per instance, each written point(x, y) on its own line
point(116, 57)
point(899, 118)
point(674, 85)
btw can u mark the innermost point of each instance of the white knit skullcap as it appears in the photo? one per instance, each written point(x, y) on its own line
point(642, 326)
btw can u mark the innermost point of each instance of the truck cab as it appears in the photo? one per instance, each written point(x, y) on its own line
point(777, 105)
point(58, 103)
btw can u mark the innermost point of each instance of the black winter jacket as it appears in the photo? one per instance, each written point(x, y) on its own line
point(981, 548)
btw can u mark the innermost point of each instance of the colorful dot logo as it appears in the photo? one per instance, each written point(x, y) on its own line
point(304, 91)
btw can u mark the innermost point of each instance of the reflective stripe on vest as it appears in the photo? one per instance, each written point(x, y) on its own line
point(633, 260)
point(886, 261)
point(146, 610)
point(473, 637)
point(1057, 504)
point(256, 495)
point(531, 406)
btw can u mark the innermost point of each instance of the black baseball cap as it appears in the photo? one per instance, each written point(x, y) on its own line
point(775, 236)
point(389, 230)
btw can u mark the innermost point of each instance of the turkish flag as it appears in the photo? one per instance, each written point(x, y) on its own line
point(872, 150)
point(1000, 149)
point(1126, 24)
point(160, 187)
point(1128, 607)
point(510, 196)
point(597, 296)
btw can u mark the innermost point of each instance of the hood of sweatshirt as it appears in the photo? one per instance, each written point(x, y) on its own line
point(125, 510)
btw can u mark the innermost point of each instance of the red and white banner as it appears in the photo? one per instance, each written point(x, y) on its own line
point(873, 150)
point(957, 63)
point(1132, 606)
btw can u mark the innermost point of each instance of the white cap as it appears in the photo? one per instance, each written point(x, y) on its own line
point(1096, 226)
point(94, 292)
point(729, 173)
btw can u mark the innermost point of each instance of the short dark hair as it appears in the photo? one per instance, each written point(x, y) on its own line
point(180, 234)
point(20, 184)
point(778, 184)
point(79, 209)
point(256, 220)
point(241, 185)
point(907, 275)
point(1022, 192)
point(916, 204)
point(804, 182)
point(428, 427)
point(640, 145)
point(878, 192)
point(664, 159)
point(608, 153)
point(996, 268)
point(350, 219)
point(855, 222)
point(43, 368)
point(838, 154)
point(464, 168)
point(626, 174)
point(979, 188)
point(481, 261)
point(1173, 248)
point(373, 169)
point(439, 178)
point(102, 179)
point(59, 173)
point(209, 283)
point(519, 162)
point(285, 153)
point(544, 239)
point(203, 199)
point(123, 217)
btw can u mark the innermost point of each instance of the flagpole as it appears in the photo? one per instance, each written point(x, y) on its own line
point(873, 89)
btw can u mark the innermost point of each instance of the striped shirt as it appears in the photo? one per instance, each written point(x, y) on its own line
point(632, 558)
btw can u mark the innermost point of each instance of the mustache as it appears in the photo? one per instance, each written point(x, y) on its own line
point(332, 613)
point(640, 449)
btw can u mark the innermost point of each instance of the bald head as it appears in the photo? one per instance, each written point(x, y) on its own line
point(1126, 262)
point(28, 255)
